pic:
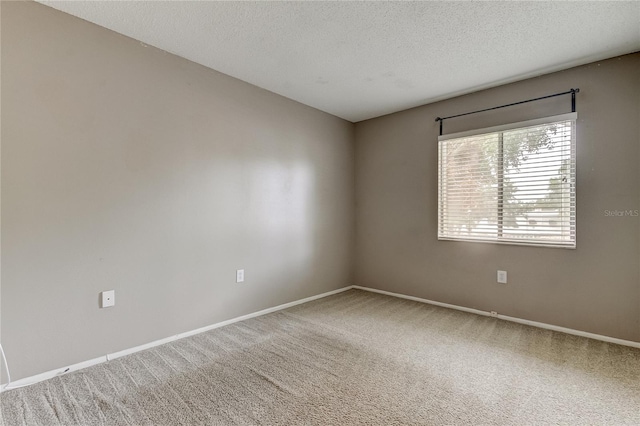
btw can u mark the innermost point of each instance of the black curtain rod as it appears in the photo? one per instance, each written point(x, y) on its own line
point(570, 91)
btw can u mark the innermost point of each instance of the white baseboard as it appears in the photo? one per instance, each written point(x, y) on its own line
point(53, 373)
point(84, 364)
point(222, 324)
point(60, 371)
point(508, 318)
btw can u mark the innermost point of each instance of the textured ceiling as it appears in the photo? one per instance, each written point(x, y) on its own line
point(359, 60)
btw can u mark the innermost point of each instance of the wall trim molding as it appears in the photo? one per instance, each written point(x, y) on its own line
point(542, 325)
point(109, 357)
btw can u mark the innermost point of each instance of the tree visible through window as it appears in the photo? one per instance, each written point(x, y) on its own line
point(514, 184)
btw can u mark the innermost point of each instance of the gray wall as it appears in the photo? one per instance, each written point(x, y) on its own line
point(127, 168)
point(595, 288)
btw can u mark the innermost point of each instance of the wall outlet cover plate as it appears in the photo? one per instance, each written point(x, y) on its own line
point(107, 298)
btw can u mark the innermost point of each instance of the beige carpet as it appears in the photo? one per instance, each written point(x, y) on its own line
point(352, 358)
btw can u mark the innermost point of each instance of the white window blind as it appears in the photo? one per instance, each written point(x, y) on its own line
point(511, 184)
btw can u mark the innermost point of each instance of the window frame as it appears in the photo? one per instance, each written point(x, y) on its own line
point(567, 244)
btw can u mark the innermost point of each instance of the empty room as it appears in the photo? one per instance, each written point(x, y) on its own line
point(319, 213)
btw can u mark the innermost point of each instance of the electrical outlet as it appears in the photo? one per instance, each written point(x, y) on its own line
point(107, 298)
point(240, 275)
point(502, 277)
point(494, 314)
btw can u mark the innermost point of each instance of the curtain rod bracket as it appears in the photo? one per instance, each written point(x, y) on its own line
point(440, 120)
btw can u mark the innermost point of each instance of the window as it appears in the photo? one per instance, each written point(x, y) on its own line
point(512, 184)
